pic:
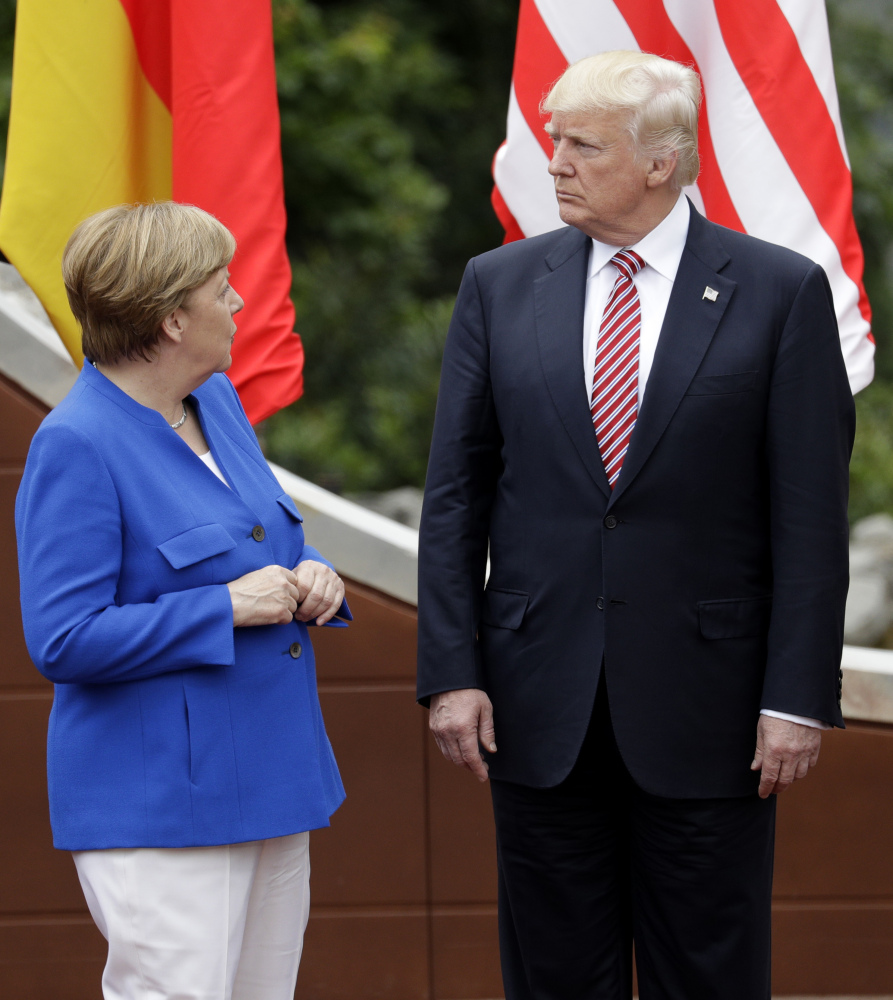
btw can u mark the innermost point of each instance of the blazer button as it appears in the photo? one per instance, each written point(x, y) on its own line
point(258, 533)
point(611, 521)
point(294, 650)
point(600, 604)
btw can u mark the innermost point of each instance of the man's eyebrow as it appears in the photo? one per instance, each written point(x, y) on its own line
point(580, 135)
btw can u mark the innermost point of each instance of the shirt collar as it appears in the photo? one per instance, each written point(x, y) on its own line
point(661, 249)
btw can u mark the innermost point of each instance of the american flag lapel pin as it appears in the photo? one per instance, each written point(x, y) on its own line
point(710, 293)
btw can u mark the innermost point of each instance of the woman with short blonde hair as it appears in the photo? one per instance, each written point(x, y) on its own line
point(167, 591)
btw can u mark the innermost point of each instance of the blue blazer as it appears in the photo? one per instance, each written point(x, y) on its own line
point(710, 583)
point(169, 728)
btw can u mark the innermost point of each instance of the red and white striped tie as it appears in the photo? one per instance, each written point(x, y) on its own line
point(615, 383)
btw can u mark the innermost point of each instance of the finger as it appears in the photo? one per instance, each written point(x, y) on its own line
point(453, 751)
point(330, 603)
point(471, 755)
point(757, 760)
point(787, 772)
point(802, 768)
point(486, 730)
point(314, 602)
point(444, 749)
point(335, 598)
point(768, 777)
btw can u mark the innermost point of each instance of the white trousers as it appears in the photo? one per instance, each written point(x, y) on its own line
point(200, 923)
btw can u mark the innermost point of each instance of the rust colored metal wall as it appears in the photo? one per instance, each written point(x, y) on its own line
point(404, 887)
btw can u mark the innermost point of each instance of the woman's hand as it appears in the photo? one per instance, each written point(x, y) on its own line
point(268, 596)
point(320, 591)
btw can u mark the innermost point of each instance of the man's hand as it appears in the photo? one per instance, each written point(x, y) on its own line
point(320, 592)
point(785, 752)
point(462, 722)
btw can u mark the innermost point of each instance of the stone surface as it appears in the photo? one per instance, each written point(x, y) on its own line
point(869, 609)
point(403, 504)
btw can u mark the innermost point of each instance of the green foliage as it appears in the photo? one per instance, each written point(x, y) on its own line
point(7, 33)
point(871, 470)
point(862, 42)
point(374, 117)
point(863, 63)
point(391, 113)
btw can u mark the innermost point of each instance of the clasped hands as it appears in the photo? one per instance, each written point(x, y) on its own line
point(275, 595)
point(462, 722)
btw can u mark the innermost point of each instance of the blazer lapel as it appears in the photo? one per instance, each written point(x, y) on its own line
point(560, 298)
point(689, 325)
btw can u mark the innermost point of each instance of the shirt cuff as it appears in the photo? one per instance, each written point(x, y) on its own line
point(801, 720)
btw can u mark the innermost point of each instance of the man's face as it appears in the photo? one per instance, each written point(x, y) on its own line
point(599, 182)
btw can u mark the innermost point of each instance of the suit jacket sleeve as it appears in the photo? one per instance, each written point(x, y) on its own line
point(810, 428)
point(463, 469)
point(71, 541)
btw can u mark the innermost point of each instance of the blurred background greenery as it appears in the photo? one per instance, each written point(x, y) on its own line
point(391, 113)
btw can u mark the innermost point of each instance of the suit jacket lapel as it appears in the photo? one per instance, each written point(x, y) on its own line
point(689, 325)
point(560, 298)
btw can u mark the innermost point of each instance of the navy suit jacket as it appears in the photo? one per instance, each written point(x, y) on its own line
point(169, 728)
point(710, 583)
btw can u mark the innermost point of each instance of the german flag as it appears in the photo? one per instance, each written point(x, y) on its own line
point(138, 100)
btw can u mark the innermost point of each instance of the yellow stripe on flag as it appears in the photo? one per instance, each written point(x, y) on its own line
point(86, 132)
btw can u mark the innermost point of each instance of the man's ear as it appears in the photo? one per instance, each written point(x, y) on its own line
point(172, 326)
point(661, 171)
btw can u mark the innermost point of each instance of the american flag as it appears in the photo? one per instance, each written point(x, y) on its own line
point(773, 156)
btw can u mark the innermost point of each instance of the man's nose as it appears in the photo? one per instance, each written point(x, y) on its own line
point(559, 164)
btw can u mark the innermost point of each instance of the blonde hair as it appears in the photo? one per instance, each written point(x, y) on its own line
point(661, 98)
point(128, 267)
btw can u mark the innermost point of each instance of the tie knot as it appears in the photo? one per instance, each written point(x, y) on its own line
point(628, 263)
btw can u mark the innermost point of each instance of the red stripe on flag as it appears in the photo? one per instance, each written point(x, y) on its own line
point(227, 160)
point(656, 33)
point(764, 48)
point(538, 64)
point(150, 23)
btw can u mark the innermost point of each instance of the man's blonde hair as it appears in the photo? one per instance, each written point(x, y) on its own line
point(660, 97)
point(128, 267)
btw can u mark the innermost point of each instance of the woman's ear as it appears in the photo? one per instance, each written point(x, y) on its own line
point(173, 325)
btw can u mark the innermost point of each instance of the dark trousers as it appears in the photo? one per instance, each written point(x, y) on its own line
point(589, 866)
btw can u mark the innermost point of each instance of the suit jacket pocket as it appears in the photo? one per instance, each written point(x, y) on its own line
point(716, 385)
point(735, 618)
point(199, 543)
point(504, 608)
point(285, 501)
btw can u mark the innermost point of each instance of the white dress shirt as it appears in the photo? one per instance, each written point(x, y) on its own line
point(208, 459)
point(661, 250)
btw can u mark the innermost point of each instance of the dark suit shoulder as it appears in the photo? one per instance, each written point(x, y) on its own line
point(545, 251)
point(750, 251)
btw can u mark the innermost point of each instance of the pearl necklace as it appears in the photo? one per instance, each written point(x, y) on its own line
point(179, 423)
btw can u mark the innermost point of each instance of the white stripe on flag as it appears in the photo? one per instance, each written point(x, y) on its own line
point(809, 22)
point(522, 176)
point(766, 194)
point(581, 27)
point(764, 190)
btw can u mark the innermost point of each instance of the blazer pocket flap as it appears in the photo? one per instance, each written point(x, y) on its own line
point(286, 501)
point(717, 385)
point(196, 544)
point(504, 608)
point(735, 618)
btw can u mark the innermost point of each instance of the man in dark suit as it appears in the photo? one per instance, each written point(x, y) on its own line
point(646, 419)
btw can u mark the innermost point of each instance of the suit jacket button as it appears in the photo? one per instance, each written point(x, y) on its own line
point(258, 533)
point(294, 650)
point(610, 521)
point(600, 604)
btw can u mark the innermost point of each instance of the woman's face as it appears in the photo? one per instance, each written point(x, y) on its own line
point(208, 327)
